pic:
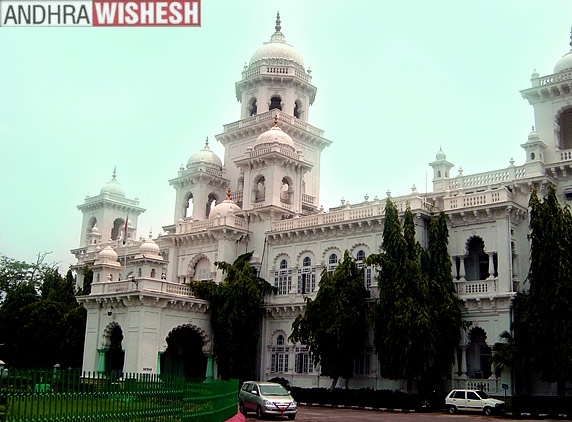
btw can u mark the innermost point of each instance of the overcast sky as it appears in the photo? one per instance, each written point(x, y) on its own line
point(395, 81)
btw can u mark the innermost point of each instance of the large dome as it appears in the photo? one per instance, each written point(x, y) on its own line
point(205, 156)
point(112, 187)
point(274, 134)
point(107, 255)
point(149, 248)
point(277, 48)
point(565, 63)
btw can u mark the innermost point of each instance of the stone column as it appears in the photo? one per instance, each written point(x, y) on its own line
point(209, 373)
point(491, 265)
point(462, 268)
point(101, 360)
point(493, 372)
point(464, 362)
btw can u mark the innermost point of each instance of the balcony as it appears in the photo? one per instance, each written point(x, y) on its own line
point(141, 285)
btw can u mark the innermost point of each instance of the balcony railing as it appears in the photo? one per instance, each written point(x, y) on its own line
point(140, 285)
point(488, 197)
point(476, 287)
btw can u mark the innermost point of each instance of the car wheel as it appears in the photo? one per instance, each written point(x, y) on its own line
point(242, 409)
point(488, 411)
point(452, 410)
point(259, 413)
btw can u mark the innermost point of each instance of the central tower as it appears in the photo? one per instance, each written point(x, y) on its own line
point(274, 84)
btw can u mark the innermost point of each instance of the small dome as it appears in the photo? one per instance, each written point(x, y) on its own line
point(95, 229)
point(274, 134)
point(277, 48)
point(112, 187)
point(107, 254)
point(440, 155)
point(149, 248)
point(533, 136)
point(205, 156)
point(226, 207)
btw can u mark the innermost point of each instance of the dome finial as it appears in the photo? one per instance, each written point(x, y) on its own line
point(278, 27)
point(228, 194)
point(207, 142)
point(570, 37)
point(276, 120)
point(114, 173)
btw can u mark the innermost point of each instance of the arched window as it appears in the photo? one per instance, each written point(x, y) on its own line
point(139, 272)
point(360, 261)
point(275, 102)
point(279, 355)
point(252, 107)
point(283, 278)
point(306, 277)
point(259, 189)
point(332, 262)
point(286, 190)
point(477, 261)
point(565, 125)
point(153, 273)
point(188, 206)
point(117, 230)
point(298, 109)
point(211, 202)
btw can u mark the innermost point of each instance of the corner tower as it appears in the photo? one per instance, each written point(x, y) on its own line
point(107, 212)
point(275, 81)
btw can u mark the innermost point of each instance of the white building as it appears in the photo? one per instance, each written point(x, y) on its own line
point(142, 316)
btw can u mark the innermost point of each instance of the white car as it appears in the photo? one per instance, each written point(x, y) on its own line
point(473, 400)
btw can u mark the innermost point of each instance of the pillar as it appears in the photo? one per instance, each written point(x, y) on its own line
point(462, 268)
point(464, 361)
point(101, 360)
point(491, 265)
point(210, 370)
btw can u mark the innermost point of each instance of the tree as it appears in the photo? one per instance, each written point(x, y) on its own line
point(235, 316)
point(37, 329)
point(548, 306)
point(446, 317)
point(401, 317)
point(333, 325)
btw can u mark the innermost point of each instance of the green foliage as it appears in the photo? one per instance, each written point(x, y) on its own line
point(417, 319)
point(39, 316)
point(548, 325)
point(446, 317)
point(235, 316)
point(333, 325)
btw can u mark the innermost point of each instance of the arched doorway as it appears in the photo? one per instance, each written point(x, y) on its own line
point(114, 353)
point(184, 354)
point(478, 354)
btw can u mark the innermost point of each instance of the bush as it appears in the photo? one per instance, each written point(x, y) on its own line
point(364, 397)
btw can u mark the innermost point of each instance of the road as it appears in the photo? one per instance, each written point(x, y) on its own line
point(321, 414)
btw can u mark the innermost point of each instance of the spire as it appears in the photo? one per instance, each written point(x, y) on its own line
point(207, 143)
point(114, 173)
point(228, 194)
point(278, 36)
point(278, 27)
point(570, 37)
point(276, 120)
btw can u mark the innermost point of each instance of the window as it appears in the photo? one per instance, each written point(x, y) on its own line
point(332, 262)
point(360, 258)
point(298, 109)
point(306, 277)
point(361, 364)
point(471, 395)
point(459, 394)
point(565, 125)
point(279, 359)
point(303, 363)
point(153, 273)
point(275, 102)
point(283, 278)
point(139, 272)
point(252, 106)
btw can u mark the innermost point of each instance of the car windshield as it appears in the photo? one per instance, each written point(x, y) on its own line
point(273, 390)
point(482, 394)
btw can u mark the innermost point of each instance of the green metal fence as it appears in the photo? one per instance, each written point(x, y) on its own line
point(67, 395)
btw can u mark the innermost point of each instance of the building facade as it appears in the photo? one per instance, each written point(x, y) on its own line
point(142, 317)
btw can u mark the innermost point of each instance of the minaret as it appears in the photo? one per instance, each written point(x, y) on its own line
point(275, 80)
point(109, 210)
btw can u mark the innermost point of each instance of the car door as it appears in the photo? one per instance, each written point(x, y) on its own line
point(248, 397)
point(474, 402)
point(459, 400)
